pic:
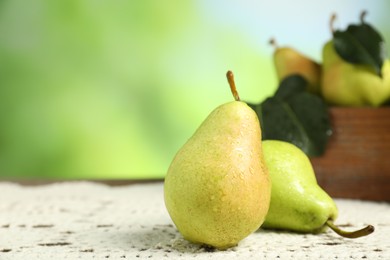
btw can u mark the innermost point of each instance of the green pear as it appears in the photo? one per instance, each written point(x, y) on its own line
point(217, 189)
point(298, 203)
point(288, 61)
point(347, 84)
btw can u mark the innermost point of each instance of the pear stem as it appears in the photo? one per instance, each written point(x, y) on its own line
point(331, 22)
point(232, 84)
point(362, 16)
point(272, 41)
point(350, 234)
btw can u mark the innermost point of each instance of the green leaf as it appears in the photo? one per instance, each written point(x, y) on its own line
point(292, 85)
point(295, 116)
point(279, 122)
point(312, 113)
point(361, 44)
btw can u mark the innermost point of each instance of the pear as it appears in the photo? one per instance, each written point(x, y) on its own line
point(298, 203)
point(355, 85)
point(288, 61)
point(217, 189)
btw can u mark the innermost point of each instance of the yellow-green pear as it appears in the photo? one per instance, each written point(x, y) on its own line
point(288, 61)
point(347, 84)
point(298, 203)
point(217, 188)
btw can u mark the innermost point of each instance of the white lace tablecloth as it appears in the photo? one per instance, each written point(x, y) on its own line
point(82, 220)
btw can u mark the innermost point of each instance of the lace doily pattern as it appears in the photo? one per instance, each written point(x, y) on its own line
point(85, 220)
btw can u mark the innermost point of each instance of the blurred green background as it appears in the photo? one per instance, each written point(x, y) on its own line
point(112, 89)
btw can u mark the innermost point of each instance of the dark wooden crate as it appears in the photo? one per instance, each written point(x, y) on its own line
point(356, 163)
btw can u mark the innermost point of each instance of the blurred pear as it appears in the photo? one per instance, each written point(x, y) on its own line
point(289, 61)
point(347, 84)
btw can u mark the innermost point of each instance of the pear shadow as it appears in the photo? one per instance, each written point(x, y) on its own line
point(142, 240)
point(158, 237)
point(164, 238)
point(278, 231)
point(167, 239)
point(329, 238)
